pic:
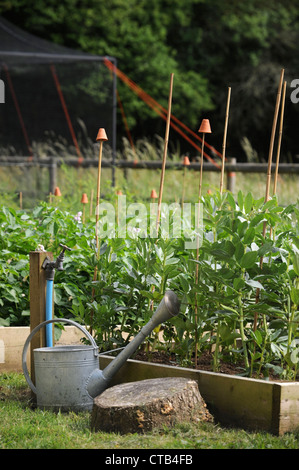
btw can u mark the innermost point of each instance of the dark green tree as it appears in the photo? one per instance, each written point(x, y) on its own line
point(208, 44)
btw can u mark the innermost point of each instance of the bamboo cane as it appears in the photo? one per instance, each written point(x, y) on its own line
point(186, 163)
point(165, 152)
point(204, 128)
point(268, 181)
point(98, 194)
point(118, 193)
point(101, 137)
point(279, 137)
point(197, 250)
point(201, 168)
point(224, 139)
point(84, 201)
point(272, 140)
point(279, 144)
point(163, 168)
point(91, 200)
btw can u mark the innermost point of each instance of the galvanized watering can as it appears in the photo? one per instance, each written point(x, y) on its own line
point(69, 378)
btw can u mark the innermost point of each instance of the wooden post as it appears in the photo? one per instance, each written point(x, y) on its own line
point(37, 291)
point(231, 176)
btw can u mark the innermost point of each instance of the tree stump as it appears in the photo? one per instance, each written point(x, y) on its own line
point(147, 404)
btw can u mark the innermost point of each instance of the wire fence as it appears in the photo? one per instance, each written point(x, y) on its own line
point(52, 164)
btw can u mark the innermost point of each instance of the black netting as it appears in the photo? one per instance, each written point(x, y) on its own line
point(55, 97)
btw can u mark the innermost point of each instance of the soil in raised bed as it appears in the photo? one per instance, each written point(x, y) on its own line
point(204, 362)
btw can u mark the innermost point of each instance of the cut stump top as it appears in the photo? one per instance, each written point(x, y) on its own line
point(141, 406)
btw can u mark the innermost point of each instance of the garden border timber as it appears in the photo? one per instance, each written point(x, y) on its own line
point(251, 404)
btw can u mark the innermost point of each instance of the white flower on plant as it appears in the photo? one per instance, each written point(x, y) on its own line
point(78, 216)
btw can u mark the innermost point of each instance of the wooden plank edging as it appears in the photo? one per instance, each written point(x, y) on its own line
point(251, 404)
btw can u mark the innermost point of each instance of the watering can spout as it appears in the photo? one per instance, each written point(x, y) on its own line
point(168, 308)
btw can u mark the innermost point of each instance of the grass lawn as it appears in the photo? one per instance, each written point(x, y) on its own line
point(22, 427)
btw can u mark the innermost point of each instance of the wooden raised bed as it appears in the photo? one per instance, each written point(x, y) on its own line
point(250, 404)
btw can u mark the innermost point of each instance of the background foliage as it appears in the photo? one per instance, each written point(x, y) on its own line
point(208, 44)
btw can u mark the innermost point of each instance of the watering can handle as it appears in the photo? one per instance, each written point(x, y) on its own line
point(35, 330)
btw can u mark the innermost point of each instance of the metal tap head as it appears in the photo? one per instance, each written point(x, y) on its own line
point(64, 247)
point(60, 258)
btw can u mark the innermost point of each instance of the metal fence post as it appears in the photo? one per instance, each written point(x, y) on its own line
point(52, 176)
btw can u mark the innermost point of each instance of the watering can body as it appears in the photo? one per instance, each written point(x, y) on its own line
point(62, 372)
point(61, 376)
point(68, 377)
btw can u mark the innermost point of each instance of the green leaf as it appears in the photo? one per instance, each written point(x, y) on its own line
point(242, 228)
point(256, 220)
point(295, 295)
point(265, 248)
point(25, 313)
point(226, 334)
point(11, 295)
point(255, 356)
point(230, 248)
point(249, 259)
point(159, 253)
point(270, 204)
point(184, 283)
point(239, 251)
point(231, 201)
point(220, 254)
point(240, 200)
point(296, 241)
point(259, 202)
point(238, 283)
point(295, 356)
point(172, 261)
point(226, 273)
point(248, 203)
point(257, 336)
point(70, 290)
point(253, 283)
point(57, 296)
point(249, 236)
point(295, 259)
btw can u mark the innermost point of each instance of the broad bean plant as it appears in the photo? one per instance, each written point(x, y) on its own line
point(242, 305)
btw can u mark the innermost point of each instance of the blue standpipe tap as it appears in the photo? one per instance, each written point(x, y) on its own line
point(50, 267)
